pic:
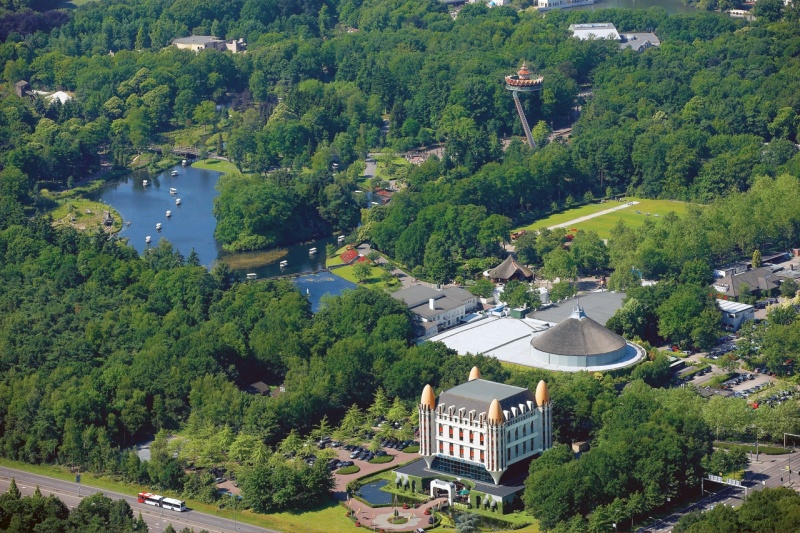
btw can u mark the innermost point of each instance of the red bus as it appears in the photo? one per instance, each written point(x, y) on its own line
point(160, 501)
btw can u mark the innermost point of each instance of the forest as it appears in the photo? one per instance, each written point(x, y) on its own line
point(101, 348)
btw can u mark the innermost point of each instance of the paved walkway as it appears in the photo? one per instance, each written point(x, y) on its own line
point(378, 517)
point(593, 215)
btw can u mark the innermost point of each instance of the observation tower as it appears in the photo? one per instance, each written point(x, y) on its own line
point(522, 82)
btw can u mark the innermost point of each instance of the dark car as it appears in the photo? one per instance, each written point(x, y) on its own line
point(381, 453)
point(346, 463)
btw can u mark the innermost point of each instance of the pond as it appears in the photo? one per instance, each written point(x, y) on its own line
point(373, 493)
point(191, 226)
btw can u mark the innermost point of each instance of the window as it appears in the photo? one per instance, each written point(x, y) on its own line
point(441, 447)
point(516, 449)
point(508, 454)
point(509, 435)
point(524, 431)
point(531, 426)
point(451, 432)
point(524, 448)
point(481, 439)
point(481, 455)
point(440, 430)
point(460, 434)
point(516, 434)
point(461, 452)
point(471, 436)
point(471, 454)
point(451, 449)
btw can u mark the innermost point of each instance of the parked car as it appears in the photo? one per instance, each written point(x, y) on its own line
point(381, 453)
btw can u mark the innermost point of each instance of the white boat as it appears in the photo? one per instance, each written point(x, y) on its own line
point(173, 173)
point(144, 183)
point(177, 201)
point(312, 251)
point(158, 226)
point(341, 238)
point(147, 239)
point(169, 214)
point(184, 162)
point(173, 190)
point(252, 276)
point(284, 263)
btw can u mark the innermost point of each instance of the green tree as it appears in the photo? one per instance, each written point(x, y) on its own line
point(13, 490)
point(439, 266)
point(559, 263)
point(483, 288)
point(362, 271)
point(205, 113)
point(757, 259)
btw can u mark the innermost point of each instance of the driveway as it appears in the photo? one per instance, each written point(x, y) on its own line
point(339, 492)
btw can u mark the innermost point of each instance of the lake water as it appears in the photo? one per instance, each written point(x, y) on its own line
point(192, 225)
point(671, 6)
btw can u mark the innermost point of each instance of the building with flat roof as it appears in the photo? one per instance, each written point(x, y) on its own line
point(435, 310)
point(594, 30)
point(196, 43)
point(734, 314)
point(480, 430)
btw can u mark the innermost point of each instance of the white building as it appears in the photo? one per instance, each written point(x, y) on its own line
point(595, 30)
point(196, 43)
point(546, 5)
point(479, 429)
point(435, 310)
point(734, 314)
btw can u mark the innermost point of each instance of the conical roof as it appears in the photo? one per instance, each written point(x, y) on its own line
point(542, 394)
point(578, 335)
point(428, 397)
point(474, 373)
point(508, 268)
point(495, 413)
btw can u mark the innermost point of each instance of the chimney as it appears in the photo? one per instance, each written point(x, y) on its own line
point(432, 304)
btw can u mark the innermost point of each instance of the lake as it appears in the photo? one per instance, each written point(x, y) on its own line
point(671, 6)
point(192, 225)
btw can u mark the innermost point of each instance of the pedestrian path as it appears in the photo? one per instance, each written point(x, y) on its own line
point(378, 517)
point(593, 215)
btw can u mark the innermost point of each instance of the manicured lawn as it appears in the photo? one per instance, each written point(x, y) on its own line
point(602, 224)
point(374, 280)
point(216, 164)
point(567, 215)
point(336, 260)
point(349, 470)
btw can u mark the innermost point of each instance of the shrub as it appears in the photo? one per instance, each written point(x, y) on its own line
point(349, 470)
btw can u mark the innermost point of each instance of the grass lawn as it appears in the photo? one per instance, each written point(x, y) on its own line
point(88, 215)
point(602, 224)
point(374, 280)
point(336, 260)
point(382, 459)
point(216, 164)
point(327, 518)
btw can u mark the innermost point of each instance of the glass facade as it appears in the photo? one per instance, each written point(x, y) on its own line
point(451, 465)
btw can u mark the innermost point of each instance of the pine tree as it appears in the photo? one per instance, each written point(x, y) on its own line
point(13, 490)
point(37, 493)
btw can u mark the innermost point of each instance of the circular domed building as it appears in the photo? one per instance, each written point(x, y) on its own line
point(580, 343)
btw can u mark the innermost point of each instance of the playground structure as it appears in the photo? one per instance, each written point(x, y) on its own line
point(523, 82)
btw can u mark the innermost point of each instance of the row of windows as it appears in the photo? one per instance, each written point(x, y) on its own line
point(471, 434)
point(469, 454)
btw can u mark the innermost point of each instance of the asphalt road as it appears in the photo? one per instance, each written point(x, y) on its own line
point(768, 471)
point(156, 518)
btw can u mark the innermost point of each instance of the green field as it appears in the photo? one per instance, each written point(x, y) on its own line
point(374, 281)
point(602, 224)
point(216, 164)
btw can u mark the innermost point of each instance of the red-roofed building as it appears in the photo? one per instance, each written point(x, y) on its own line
point(349, 256)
